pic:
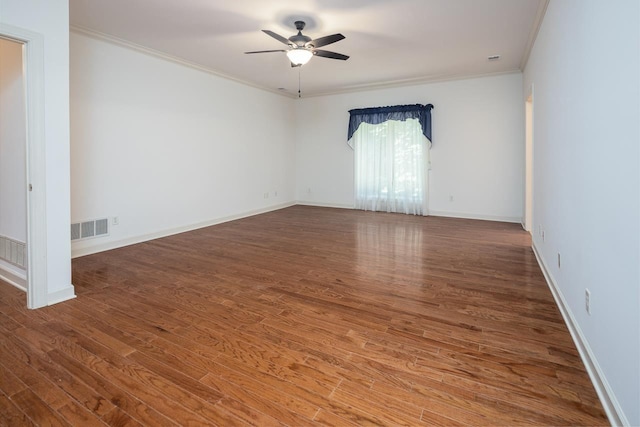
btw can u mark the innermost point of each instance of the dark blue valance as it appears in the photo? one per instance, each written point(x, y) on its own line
point(379, 115)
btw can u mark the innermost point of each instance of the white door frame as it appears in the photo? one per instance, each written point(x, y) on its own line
point(529, 159)
point(33, 71)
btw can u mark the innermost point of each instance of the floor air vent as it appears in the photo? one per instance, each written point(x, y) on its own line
point(13, 252)
point(89, 229)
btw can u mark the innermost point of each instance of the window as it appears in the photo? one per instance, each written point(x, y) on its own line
point(391, 162)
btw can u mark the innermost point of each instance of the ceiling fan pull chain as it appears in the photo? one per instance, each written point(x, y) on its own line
point(299, 73)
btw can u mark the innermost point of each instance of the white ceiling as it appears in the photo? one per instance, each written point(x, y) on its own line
point(390, 42)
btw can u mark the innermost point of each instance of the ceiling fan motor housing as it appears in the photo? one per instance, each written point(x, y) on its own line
point(299, 40)
point(302, 48)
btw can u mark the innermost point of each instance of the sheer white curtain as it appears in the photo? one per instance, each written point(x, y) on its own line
point(391, 164)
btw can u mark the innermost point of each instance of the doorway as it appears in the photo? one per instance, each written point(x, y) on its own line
point(13, 174)
point(33, 175)
point(528, 179)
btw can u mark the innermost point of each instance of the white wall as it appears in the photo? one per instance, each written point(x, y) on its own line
point(50, 18)
point(476, 157)
point(13, 187)
point(585, 71)
point(165, 147)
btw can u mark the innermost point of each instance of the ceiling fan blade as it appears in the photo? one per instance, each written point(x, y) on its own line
point(332, 55)
point(266, 51)
point(277, 37)
point(323, 41)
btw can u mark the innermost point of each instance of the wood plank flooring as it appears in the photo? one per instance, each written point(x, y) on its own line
point(303, 316)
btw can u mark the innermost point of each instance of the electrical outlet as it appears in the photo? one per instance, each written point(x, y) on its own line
point(587, 301)
point(450, 198)
point(543, 235)
point(266, 195)
point(115, 220)
point(275, 193)
point(309, 190)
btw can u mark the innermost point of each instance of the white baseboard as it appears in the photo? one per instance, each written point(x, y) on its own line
point(20, 282)
point(603, 389)
point(93, 249)
point(13, 278)
point(476, 216)
point(324, 205)
point(431, 213)
point(62, 295)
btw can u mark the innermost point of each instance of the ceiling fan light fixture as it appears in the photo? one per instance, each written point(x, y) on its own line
point(299, 56)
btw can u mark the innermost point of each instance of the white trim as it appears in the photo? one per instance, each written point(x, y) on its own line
point(33, 66)
point(533, 35)
point(411, 82)
point(430, 213)
point(61, 295)
point(324, 205)
point(465, 215)
point(13, 278)
point(603, 389)
point(79, 252)
point(356, 88)
point(75, 253)
point(529, 159)
point(167, 57)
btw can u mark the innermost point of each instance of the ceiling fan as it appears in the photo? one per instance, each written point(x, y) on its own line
point(302, 48)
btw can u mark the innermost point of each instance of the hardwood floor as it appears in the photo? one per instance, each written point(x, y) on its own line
point(297, 317)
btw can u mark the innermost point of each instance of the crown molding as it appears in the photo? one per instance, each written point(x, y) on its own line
point(411, 82)
point(165, 56)
point(533, 35)
point(347, 89)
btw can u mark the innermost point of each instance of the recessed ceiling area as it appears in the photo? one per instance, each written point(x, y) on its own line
point(389, 42)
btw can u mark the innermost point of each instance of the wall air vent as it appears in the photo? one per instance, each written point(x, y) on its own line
point(102, 227)
point(13, 252)
point(75, 231)
point(88, 229)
